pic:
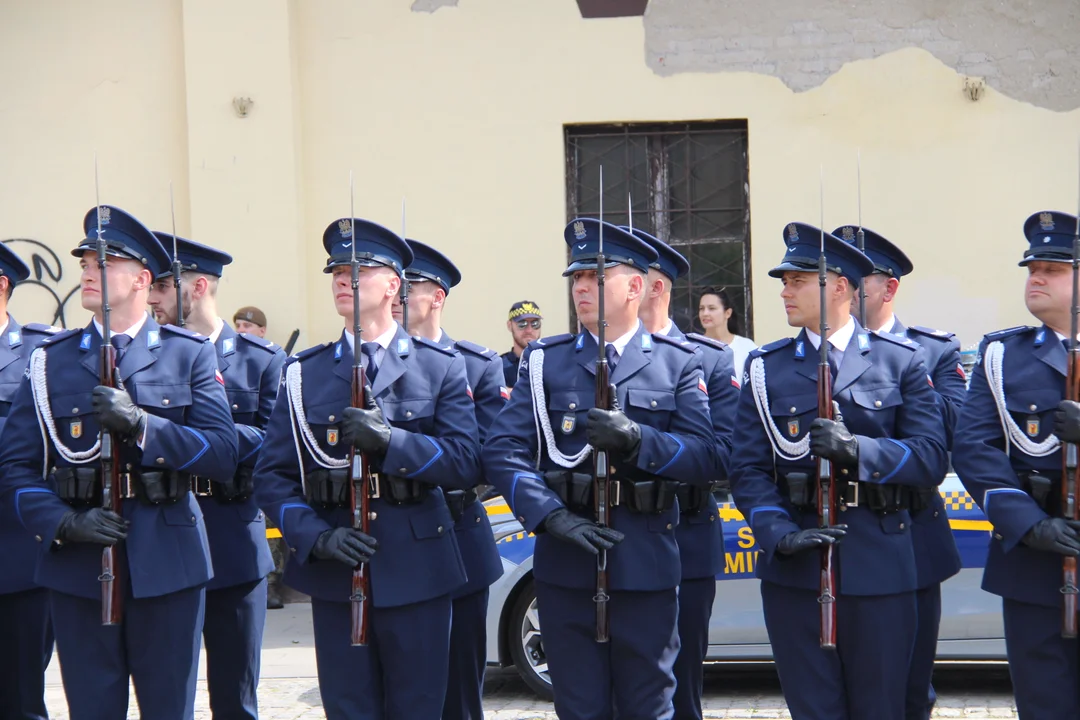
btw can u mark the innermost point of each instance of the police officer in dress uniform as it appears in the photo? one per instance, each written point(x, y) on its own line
point(524, 324)
point(659, 434)
point(891, 437)
point(430, 277)
point(936, 556)
point(700, 530)
point(236, 597)
point(169, 418)
point(26, 639)
point(419, 434)
point(1014, 474)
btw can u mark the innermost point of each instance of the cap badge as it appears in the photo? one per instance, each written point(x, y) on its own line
point(345, 227)
point(104, 214)
point(848, 233)
point(792, 231)
point(579, 230)
point(1046, 220)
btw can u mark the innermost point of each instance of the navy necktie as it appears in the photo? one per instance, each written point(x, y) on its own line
point(369, 349)
point(120, 342)
point(835, 358)
point(612, 356)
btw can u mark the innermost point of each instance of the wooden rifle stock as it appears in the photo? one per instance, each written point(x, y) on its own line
point(112, 596)
point(360, 501)
point(826, 502)
point(605, 394)
point(1070, 486)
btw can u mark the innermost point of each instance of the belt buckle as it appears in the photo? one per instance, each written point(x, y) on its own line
point(201, 486)
point(855, 495)
point(616, 493)
point(375, 487)
point(125, 490)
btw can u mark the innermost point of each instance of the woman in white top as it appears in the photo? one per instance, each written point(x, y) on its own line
point(719, 321)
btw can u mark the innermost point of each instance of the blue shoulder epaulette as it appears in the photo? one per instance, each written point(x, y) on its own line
point(475, 349)
point(895, 339)
point(42, 328)
point(706, 340)
point(680, 343)
point(769, 347)
point(62, 335)
point(184, 332)
point(553, 340)
point(424, 342)
point(1008, 332)
point(308, 352)
point(931, 332)
point(267, 345)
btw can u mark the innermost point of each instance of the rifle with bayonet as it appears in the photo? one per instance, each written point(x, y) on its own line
point(112, 589)
point(176, 266)
point(404, 280)
point(359, 468)
point(1070, 477)
point(860, 237)
point(605, 400)
point(826, 486)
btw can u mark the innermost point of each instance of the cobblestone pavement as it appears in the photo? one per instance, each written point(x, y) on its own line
point(288, 689)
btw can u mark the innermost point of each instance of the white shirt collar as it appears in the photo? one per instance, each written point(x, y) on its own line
point(667, 328)
point(130, 332)
point(620, 343)
point(888, 326)
point(219, 324)
point(384, 340)
point(838, 339)
point(7, 321)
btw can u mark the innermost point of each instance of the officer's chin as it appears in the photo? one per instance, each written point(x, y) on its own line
point(91, 300)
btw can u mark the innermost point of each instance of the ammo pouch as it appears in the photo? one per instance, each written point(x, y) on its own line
point(79, 486)
point(692, 498)
point(921, 498)
point(330, 488)
point(1044, 489)
point(161, 487)
point(458, 500)
point(647, 497)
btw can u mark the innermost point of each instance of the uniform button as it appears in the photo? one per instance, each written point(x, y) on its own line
point(792, 411)
point(843, 471)
point(1032, 408)
point(408, 413)
point(128, 466)
point(403, 470)
point(38, 538)
point(235, 407)
point(652, 403)
point(192, 518)
point(935, 513)
point(652, 464)
point(331, 418)
point(997, 536)
point(901, 526)
point(669, 526)
point(478, 519)
point(877, 475)
point(373, 515)
point(75, 410)
point(877, 403)
point(160, 461)
point(712, 518)
point(573, 406)
point(521, 519)
point(440, 528)
point(164, 401)
point(292, 549)
point(843, 508)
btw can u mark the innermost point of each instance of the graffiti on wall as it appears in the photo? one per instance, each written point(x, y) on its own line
point(46, 291)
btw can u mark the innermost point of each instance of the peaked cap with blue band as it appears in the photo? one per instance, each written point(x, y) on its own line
point(431, 265)
point(804, 247)
point(125, 237)
point(375, 245)
point(621, 247)
point(1050, 236)
point(11, 266)
point(669, 260)
point(194, 257)
point(888, 259)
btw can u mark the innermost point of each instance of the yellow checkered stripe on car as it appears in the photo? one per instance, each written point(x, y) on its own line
point(958, 500)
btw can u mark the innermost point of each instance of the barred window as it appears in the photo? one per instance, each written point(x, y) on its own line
point(689, 185)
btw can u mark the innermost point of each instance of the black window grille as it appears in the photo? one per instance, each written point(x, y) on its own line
point(689, 185)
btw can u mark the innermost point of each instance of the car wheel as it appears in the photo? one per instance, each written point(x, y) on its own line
point(526, 645)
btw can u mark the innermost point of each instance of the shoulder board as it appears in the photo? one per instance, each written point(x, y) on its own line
point(706, 340)
point(931, 332)
point(424, 342)
point(894, 339)
point(184, 332)
point(62, 335)
point(770, 347)
point(475, 349)
point(680, 343)
point(311, 351)
point(42, 329)
point(267, 345)
point(553, 340)
point(1001, 334)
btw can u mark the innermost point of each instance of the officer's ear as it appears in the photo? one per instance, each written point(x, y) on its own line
point(635, 287)
point(143, 279)
point(892, 285)
point(438, 298)
point(393, 287)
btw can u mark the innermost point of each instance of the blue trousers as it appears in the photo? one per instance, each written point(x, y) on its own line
point(156, 645)
point(695, 608)
point(232, 634)
point(1043, 665)
point(400, 674)
point(631, 675)
point(864, 677)
point(468, 658)
point(920, 689)
point(26, 643)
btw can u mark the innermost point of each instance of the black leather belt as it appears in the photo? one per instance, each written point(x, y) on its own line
point(330, 488)
point(649, 497)
point(883, 499)
point(82, 486)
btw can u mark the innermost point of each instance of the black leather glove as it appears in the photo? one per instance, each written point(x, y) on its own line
point(833, 441)
point(576, 530)
point(1055, 535)
point(96, 525)
point(1067, 421)
point(801, 540)
point(366, 428)
point(345, 545)
point(611, 430)
point(116, 412)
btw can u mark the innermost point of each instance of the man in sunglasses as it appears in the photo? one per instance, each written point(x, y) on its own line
point(524, 325)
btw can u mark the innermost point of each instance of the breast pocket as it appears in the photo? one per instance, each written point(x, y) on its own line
point(416, 414)
point(792, 414)
point(567, 410)
point(651, 407)
point(244, 404)
point(1033, 411)
point(878, 405)
point(169, 401)
point(324, 420)
point(73, 415)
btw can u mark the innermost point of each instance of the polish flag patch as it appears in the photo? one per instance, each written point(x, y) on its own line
point(218, 377)
point(468, 391)
point(702, 386)
point(960, 371)
point(735, 382)
point(504, 392)
point(930, 381)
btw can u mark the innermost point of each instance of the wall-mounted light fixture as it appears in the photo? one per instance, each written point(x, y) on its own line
point(974, 88)
point(242, 105)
